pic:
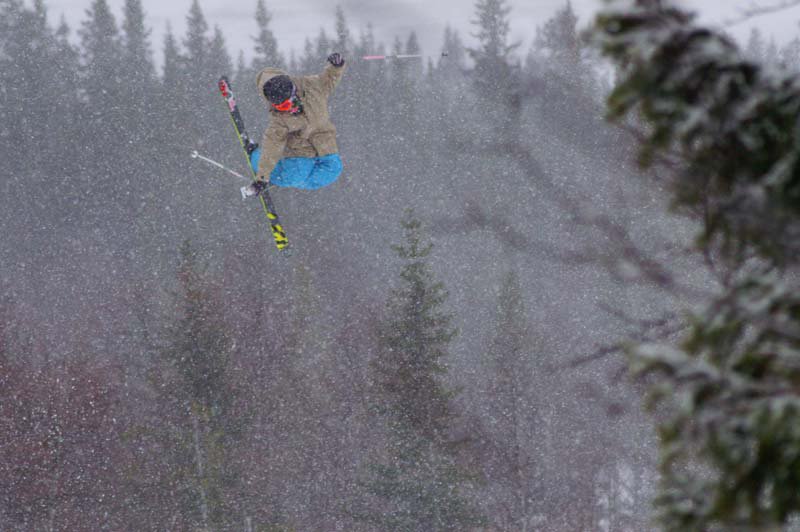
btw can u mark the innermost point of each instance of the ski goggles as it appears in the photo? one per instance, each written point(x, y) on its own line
point(288, 104)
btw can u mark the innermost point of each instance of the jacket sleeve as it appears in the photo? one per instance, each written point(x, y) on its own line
point(330, 77)
point(272, 144)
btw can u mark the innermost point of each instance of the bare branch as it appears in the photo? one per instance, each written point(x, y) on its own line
point(756, 11)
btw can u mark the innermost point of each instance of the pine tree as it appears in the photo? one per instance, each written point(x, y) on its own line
point(30, 128)
point(421, 487)
point(203, 57)
point(143, 117)
point(198, 403)
point(342, 44)
point(105, 118)
point(173, 89)
point(218, 58)
point(196, 40)
point(494, 76)
point(559, 37)
point(65, 139)
point(173, 61)
point(266, 49)
point(136, 44)
point(756, 48)
point(309, 62)
point(404, 78)
point(790, 54)
point(566, 84)
point(453, 62)
point(726, 391)
point(509, 357)
point(323, 45)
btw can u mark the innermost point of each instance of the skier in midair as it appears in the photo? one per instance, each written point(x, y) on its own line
point(299, 147)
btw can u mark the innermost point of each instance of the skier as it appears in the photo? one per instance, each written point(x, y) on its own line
point(298, 148)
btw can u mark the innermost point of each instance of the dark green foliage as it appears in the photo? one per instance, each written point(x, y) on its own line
point(511, 411)
point(421, 487)
point(736, 412)
point(732, 125)
point(195, 387)
point(728, 130)
point(420, 491)
point(200, 346)
point(414, 343)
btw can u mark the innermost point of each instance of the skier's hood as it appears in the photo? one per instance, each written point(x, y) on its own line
point(266, 75)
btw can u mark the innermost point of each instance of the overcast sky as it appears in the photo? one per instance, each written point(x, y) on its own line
point(293, 20)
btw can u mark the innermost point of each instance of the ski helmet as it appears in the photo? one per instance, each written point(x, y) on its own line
point(278, 89)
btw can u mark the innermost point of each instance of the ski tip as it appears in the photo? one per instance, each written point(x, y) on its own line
point(195, 154)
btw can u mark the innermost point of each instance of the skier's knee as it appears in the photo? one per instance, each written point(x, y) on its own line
point(327, 170)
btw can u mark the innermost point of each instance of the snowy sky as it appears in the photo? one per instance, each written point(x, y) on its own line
point(293, 20)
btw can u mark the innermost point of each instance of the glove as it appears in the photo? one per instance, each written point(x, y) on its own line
point(336, 59)
point(249, 145)
point(253, 189)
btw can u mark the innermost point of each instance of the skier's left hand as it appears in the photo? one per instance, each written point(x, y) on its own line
point(336, 59)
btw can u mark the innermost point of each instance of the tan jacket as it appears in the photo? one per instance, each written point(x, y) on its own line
point(306, 134)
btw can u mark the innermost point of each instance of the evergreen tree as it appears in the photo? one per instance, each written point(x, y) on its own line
point(218, 58)
point(203, 57)
point(565, 83)
point(266, 49)
point(790, 54)
point(173, 61)
point(31, 127)
point(66, 141)
point(421, 487)
point(413, 48)
point(199, 425)
point(323, 45)
point(509, 357)
point(453, 62)
point(174, 87)
point(142, 115)
point(309, 63)
point(106, 121)
point(756, 48)
point(559, 37)
point(726, 392)
point(196, 40)
point(342, 44)
point(494, 76)
point(136, 44)
point(403, 96)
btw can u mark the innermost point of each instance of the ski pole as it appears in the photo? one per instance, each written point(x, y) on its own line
point(396, 56)
point(196, 155)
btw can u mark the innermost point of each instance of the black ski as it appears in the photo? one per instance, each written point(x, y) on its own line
point(247, 147)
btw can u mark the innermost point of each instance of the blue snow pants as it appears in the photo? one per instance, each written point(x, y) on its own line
point(309, 173)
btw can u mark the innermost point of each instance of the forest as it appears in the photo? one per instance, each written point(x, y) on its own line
point(554, 289)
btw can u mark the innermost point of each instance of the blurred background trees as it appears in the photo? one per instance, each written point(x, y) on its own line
point(148, 382)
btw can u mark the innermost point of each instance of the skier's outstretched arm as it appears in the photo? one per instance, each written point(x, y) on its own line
point(272, 144)
point(333, 72)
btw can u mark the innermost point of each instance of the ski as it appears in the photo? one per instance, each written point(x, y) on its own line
point(247, 145)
